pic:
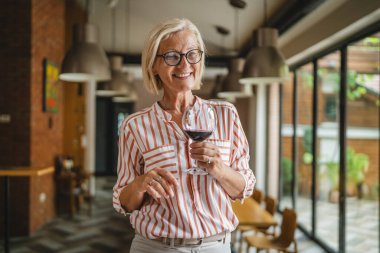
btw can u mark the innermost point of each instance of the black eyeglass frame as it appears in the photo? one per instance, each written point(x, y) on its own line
point(181, 56)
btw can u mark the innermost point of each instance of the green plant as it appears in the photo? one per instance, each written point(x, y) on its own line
point(356, 166)
point(286, 174)
point(333, 174)
point(307, 78)
point(307, 142)
point(355, 88)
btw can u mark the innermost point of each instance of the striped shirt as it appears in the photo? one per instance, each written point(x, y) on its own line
point(200, 206)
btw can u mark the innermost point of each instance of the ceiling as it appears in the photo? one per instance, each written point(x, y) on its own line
point(124, 24)
point(123, 28)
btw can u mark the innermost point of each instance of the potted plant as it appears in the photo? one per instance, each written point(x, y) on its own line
point(333, 175)
point(286, 176)
point(356, 166)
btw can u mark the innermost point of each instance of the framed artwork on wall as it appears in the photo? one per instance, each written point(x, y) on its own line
point(50, 86)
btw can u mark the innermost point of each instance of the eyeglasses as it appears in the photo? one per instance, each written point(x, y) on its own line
point(174, 58)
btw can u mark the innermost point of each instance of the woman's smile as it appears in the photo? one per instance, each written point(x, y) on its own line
point(182, 76)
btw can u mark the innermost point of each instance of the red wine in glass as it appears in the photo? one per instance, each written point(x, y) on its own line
point(198, 122)
point(198, 135)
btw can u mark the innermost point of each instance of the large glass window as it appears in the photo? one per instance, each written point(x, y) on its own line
point(362, 157)
point(304, 144)
point(287, 144)
point(321, 215)
point(327, 189)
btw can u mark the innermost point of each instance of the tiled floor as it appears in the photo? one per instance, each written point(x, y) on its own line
point(105, 231)
point(362, 223)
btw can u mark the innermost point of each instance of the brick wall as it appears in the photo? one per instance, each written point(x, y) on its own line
point(15, 34)
point(31, 204)
point(42, 201)
point(362, 113)
point(48, 33)
point(30, 31)
point(287, 100)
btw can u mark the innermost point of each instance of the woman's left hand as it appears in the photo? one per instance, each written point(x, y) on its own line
point(209, 158)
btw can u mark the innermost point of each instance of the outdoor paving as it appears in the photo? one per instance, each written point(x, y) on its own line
point(362, 223)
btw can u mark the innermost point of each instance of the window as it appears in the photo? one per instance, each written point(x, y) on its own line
point(328, 148)
point(304, 158)
point(362, 156)
point(338, 225)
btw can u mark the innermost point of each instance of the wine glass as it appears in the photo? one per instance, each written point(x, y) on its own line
point(199, 123)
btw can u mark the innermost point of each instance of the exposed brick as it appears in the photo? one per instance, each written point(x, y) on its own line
point(15, 33)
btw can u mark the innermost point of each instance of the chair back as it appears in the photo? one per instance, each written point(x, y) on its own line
point(257, 195)
point(270, 205)
point(288, 228)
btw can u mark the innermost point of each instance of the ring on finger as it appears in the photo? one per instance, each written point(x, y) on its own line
point(209, 160)
point(158, 178)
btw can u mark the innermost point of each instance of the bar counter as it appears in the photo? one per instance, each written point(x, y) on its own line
point(25, 171)
point(28, 196)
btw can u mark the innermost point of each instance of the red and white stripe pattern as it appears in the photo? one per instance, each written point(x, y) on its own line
point(200, 206)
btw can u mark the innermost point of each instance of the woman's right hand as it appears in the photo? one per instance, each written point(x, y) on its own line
point(158, 183)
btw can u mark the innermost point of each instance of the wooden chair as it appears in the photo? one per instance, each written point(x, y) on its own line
point(270, 207)
point(281, 243)
point(257, 195)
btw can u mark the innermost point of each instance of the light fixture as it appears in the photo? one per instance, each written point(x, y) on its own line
point(264, 66)
point(223, 31)
point(85, 60)
point(230, 87)
point(217, 85)
point(264, 63)
point(121, 83)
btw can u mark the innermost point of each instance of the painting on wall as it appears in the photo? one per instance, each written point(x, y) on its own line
point(50, 86)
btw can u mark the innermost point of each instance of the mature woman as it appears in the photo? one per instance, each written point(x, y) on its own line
point(171, 210)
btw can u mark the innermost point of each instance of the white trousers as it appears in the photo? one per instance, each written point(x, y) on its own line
point(142, 245)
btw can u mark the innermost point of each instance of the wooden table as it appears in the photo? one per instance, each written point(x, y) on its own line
point(251, 213)
point(7, 172)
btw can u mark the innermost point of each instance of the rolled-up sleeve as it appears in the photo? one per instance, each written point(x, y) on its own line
point(128, 164)
point(240, 156)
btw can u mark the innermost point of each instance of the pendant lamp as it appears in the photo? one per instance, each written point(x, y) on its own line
point(121, 82)
point(264, 66)
point(264, 63)
point(85, 60)
point(231, 88)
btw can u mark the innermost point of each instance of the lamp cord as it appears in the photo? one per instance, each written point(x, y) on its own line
point(88, 10)
point(265, 13)
point(236, 28)
point(128, 19)
point(114, 29)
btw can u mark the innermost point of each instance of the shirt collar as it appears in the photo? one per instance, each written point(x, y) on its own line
point(161, 113)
